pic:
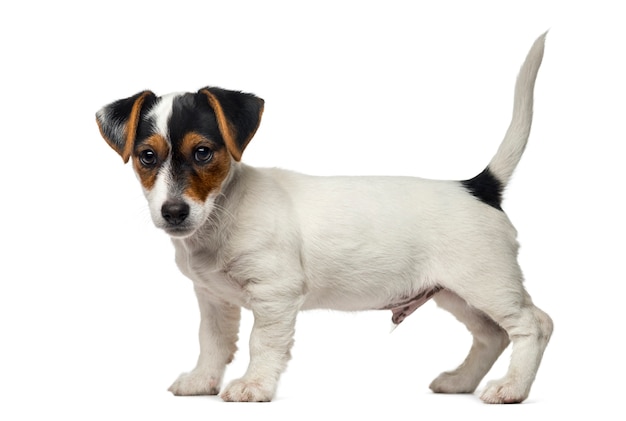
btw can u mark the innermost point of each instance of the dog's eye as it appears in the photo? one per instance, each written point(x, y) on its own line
point(148, 158)
point(202, 154)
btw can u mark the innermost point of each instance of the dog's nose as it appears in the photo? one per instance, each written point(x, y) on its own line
point(175, 212)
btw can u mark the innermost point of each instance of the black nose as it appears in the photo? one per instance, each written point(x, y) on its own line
point(175, 212)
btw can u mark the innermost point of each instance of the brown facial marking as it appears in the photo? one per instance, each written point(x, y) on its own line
point(206, 178)
point(148, 175)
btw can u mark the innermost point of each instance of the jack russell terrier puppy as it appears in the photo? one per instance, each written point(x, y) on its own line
point(277, 242)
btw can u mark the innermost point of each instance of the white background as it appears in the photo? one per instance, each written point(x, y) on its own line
point(95, 320)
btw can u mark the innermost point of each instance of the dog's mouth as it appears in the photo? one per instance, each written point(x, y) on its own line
point(179, 231)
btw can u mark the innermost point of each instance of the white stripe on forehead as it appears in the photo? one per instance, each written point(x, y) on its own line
point(160, 191)
point(161, 112)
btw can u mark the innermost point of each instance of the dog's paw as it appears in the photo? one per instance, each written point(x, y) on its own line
point(504, 391)
point(243, 390)
point(453, 382)
point(195, 383)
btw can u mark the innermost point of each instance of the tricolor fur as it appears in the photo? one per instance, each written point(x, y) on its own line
point(277, 242)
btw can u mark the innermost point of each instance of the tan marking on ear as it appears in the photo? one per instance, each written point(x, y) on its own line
point(131, 127)
point(227, 130)
point(206, 178)
point(159, 145)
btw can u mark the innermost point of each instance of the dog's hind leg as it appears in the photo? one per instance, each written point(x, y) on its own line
point(504, 300)
point(489, 340)
point(529, 329)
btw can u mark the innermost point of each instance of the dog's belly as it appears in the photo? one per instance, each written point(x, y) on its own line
point(404, 309)
point(400, 309)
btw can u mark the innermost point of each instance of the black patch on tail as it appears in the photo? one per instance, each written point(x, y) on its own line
point(486, 187)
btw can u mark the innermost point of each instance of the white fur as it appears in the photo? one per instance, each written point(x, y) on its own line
point(158, 194)
point(277, 242)
point(161, 112)
point(512, 147)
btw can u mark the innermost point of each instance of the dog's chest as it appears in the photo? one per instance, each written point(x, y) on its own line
point(202, 267)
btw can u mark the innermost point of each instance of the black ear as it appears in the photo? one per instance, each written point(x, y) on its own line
point(238, 116)
point(118, 122)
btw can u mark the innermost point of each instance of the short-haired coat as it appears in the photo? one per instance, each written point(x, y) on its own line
point(277, 242)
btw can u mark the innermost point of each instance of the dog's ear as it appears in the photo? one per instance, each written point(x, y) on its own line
point(238, 117)
point(118, 122)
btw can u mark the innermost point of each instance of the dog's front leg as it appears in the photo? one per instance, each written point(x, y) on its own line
point(219, 327)
point(270, 350)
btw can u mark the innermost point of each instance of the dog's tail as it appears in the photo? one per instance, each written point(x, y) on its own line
point(489, 185)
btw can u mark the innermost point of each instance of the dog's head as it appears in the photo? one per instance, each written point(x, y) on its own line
point(182, 147)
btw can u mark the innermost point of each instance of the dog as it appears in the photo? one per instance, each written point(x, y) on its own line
point(277, 242)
